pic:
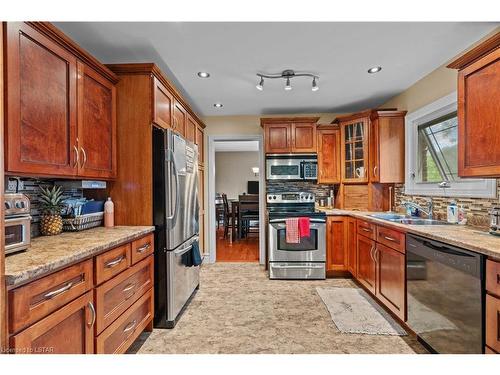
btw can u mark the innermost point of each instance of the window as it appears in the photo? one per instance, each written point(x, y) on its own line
point(432, 154)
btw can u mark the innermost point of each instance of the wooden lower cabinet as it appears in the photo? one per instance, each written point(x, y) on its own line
point(69, 311)
point(493, 322)
point(366, 274)
point(336, 250)
point(352, 246)
point(391, 281)
point(69, 330)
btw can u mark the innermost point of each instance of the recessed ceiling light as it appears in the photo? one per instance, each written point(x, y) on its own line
point(218, 105)
point(203, 74)
point(375, 69)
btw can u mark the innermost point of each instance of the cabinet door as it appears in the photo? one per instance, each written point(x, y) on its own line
point(354, 151)
point(180, 118)
point(163, 105)
point(374, 162)
point(478, 118)
point(391, 279)
point(366, 262)
point(278, 138)
point(201, 147)
point(303, 137)
point(191, 129)
point(336, 253)
point(493, 322)
point(96, 124)
point(69, 330)
point(41, 104)
point(328, 156)
point(352, 265)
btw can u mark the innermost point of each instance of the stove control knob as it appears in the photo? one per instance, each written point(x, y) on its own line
point(8, 205)
point(19, 204)
point(274, 196)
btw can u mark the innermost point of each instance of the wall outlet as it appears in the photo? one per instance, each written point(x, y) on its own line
point(13, 184)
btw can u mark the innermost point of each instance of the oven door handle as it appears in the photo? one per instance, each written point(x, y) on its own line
point(274, 221)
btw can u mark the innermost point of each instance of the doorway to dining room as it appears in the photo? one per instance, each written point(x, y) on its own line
point(236, 191)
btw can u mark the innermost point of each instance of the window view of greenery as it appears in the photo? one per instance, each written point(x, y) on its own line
point(437, 150)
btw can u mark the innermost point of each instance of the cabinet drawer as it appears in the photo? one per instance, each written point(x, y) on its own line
point(493, 277)
point(111, 263)
point(141, 248)
point(32, 302)
point(122, 332)
point(493, 322)
point(366, 229)
point(391, 238)
point(116, 295)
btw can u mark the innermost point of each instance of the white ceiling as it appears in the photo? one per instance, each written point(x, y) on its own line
point(234, 146)
point(340, 53)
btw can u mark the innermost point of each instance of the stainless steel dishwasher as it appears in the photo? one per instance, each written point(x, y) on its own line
point(445, 296)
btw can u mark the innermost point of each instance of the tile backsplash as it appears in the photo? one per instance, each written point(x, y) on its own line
point(31, 188)
point(321, 191)
point(476, 209)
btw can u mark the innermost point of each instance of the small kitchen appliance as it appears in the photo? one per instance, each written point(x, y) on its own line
point(17, 223)
point(292, 167)
point(303, 260)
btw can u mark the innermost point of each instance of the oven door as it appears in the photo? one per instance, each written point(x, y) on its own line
point(17, 234)
point(283, 169)
point(310, 249)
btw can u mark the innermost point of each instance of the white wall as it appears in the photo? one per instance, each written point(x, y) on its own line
point(233, 170)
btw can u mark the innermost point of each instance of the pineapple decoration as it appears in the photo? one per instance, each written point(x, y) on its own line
point(50, 203)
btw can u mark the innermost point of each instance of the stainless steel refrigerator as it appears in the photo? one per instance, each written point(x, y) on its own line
point(175, 210)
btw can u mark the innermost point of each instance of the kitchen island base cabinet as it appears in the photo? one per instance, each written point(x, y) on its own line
point(366, 262)
point(69, 330)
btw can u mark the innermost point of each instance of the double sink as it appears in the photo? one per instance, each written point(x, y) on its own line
point(402, 219)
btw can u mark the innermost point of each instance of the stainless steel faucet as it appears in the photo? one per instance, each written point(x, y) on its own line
point(427, 211)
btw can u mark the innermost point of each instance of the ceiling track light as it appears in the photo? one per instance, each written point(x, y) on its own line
point(288, 75)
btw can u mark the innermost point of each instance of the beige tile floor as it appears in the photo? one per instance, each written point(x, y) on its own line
point(239, 310)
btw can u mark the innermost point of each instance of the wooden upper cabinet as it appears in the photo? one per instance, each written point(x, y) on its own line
point(40, 104)
point(278, 138)
point(96, 124)
point(163, 105)
point(60, 106)
point(303, 138)
point(199, 140)
point(290, 135)
point(191, 129)
point(180, 118)
point(387, 147)
point(478, 110)
point(328, 156)
point(354, 150)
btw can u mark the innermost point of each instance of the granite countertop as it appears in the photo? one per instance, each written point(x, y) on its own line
point(49, 254)
point(467, 237)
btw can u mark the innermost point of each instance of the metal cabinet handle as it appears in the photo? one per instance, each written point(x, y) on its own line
point(115, 262)
point(56, 292)
point(390, 239)
point(143, 248)
point(371, 253)
point(84, 157)
point(375, 170)
point(130, 326)
point(77, 157)
point(92, 310)
point(366, 229)
point(129, 287)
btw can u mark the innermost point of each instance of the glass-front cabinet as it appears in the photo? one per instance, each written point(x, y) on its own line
point(355, 150)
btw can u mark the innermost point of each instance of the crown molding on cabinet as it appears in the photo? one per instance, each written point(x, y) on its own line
point(476, 53)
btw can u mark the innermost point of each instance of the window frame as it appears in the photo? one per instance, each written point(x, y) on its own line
point(466, 188)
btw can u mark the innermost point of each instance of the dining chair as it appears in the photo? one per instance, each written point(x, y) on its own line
point(248, 213)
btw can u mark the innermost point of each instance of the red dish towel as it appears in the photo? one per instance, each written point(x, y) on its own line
point(304, 227)
point(292, 230)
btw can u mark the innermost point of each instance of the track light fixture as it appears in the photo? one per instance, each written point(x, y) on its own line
point(288, 75)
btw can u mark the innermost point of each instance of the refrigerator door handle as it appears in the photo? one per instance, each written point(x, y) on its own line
point(171, 159)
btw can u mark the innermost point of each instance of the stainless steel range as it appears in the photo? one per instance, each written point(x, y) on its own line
point(303, 260)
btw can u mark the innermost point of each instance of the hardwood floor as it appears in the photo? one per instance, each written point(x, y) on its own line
point(244, 250)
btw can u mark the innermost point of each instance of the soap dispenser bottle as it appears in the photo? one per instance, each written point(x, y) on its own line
point(109, 213)
point(452, 212)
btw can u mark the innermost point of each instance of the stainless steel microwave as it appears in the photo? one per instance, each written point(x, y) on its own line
point(292, 167)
